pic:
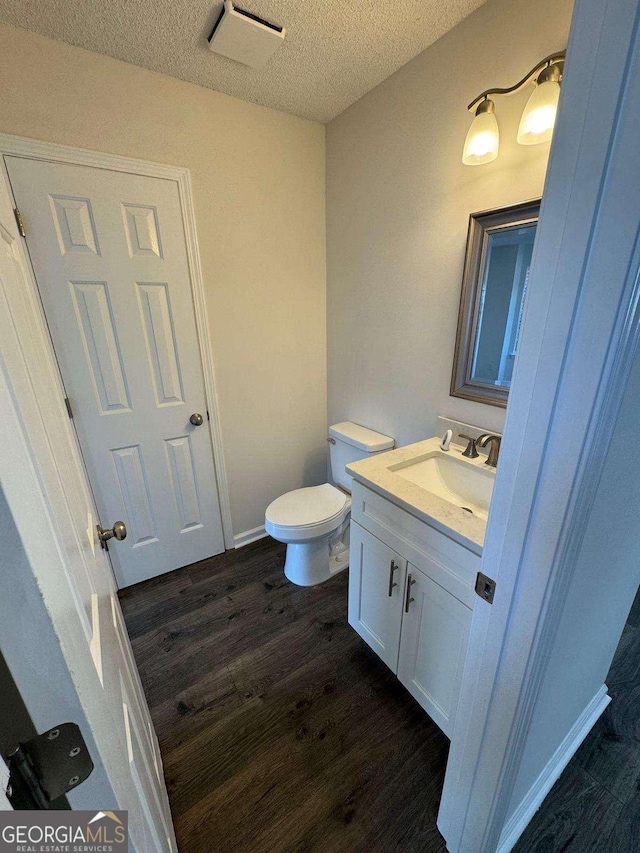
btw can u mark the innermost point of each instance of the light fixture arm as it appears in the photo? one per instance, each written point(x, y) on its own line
point(554, 59)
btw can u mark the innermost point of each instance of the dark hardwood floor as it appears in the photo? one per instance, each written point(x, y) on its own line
point(595, 805)
point(280, 730)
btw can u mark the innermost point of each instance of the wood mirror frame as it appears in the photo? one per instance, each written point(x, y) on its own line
point(481, 226)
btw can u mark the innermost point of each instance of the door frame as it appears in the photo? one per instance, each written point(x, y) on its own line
point(52, 152)
point(575, 355)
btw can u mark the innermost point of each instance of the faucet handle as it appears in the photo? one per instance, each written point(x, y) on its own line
point(471, 451)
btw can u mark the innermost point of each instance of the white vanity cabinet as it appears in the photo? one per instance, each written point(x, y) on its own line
point(433, 647)
point(377, 577)
point(411, 591)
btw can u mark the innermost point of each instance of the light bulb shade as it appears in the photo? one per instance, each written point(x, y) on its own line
point(483, 138)
point(539, 116)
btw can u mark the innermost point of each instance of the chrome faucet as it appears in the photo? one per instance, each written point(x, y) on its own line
point(494, 447)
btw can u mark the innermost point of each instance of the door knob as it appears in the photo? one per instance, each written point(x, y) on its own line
point(196, 419)
point(118, 531)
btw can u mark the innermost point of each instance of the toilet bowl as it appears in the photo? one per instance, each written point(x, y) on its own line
point(313, 522)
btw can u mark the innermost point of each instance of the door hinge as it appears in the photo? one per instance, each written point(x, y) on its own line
point(67, 403)
point(19, 222)
point(46, 767)
point(485, 587)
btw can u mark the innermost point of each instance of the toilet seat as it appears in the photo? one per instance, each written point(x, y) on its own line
point(308, 513)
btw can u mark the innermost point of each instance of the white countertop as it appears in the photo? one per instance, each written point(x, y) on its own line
point(452, 520)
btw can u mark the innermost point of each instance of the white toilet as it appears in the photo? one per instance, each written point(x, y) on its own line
point(314, 522)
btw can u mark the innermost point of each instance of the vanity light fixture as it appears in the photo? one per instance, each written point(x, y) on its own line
point(538, 118)
point(483, 139)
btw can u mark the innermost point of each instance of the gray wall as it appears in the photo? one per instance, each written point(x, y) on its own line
point(398, 205)
point(258, 188)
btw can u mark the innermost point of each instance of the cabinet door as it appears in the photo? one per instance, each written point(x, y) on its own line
point(433, 646)
point(376, 582)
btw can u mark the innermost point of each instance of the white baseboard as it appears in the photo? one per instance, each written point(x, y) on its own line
point(249, 536)
point(551, 773)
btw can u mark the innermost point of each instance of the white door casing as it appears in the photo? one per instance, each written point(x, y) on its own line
point(109, 255)
point(44, 484)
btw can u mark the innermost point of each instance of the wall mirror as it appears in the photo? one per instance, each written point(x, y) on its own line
point(494, 286)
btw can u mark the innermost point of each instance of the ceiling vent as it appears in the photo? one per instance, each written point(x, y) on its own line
point(245, 37)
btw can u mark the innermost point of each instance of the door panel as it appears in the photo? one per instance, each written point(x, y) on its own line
point(130, 685)
point(433, 648)
point(134, 493)
point(22, 337)
point(184, 481)
point(143, 774)
point(375, 609)
point(157, 323)
point(49, 498)
point(109, 254)
point(74, 224)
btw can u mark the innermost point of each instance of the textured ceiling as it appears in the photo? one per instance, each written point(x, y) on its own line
point(333, 54)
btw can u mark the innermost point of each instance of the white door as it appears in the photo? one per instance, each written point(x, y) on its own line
point(376, 583)
point(433, 647)
point(109, 254)
point(69, 577)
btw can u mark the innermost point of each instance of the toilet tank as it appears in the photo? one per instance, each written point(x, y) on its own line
point(349, 442)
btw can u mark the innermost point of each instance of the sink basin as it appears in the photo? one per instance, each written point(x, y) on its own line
point(465, 483)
